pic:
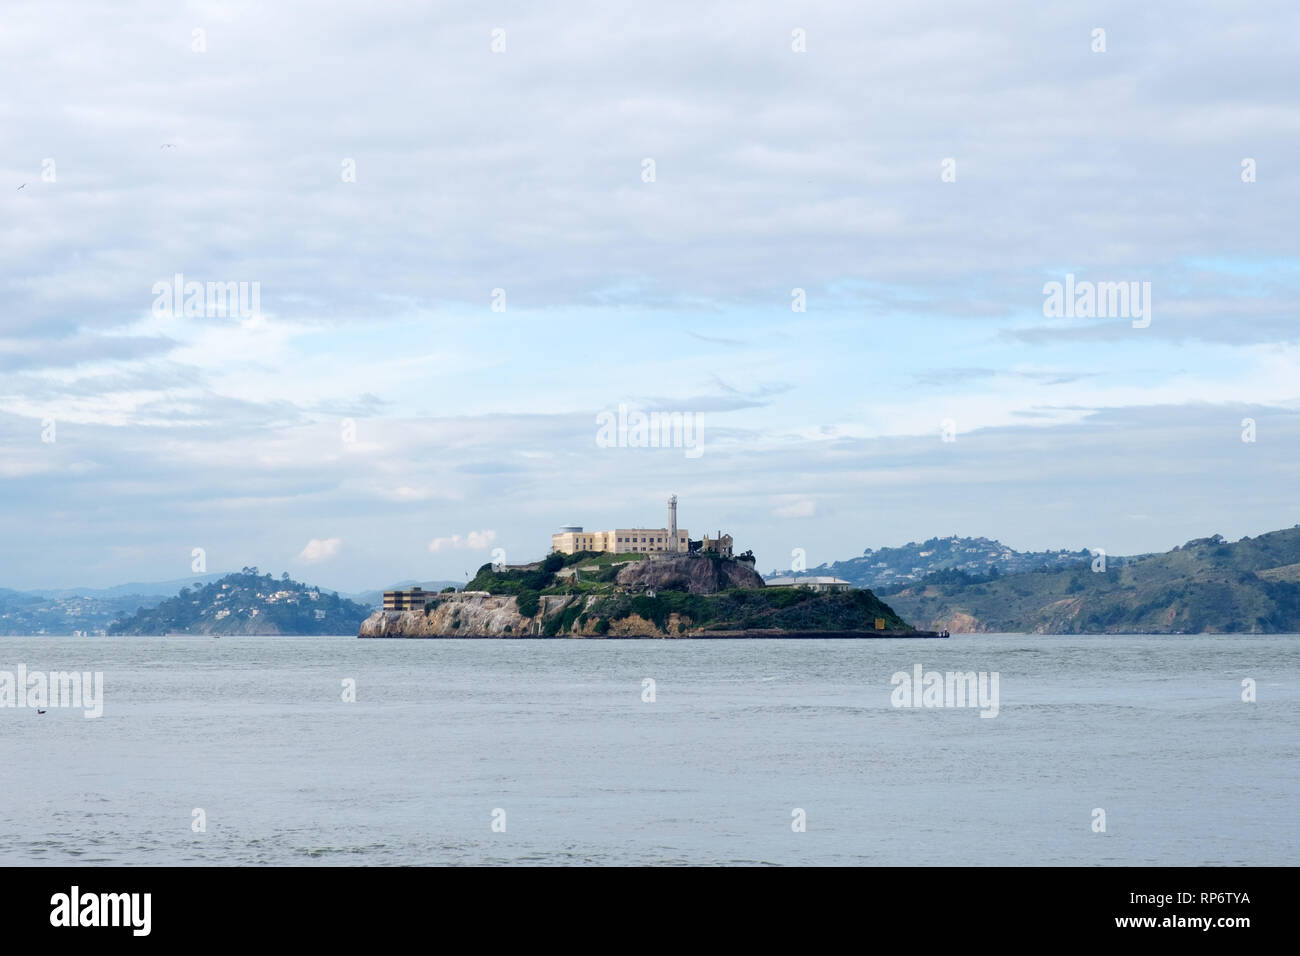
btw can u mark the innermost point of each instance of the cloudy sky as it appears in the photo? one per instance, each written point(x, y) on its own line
point(473, 228)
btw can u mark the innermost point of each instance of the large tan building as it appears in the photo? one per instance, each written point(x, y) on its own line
point(624, 540)
point(411, 599)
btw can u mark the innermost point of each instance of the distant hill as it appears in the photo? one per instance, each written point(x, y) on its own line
point(1207, 585)
point(67, 612)
point(83, 610)
point(247, 603)
point(889, 567)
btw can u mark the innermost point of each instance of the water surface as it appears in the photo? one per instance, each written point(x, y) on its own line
point(253, 730)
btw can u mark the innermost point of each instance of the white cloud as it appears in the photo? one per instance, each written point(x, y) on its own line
point(474, 541)
point(800, 508)
point(406, 493)
point(320, 549)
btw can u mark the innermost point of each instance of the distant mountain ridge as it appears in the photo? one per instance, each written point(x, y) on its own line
point(160, 589)
point(889, 567)
point(90, 611)
point(71, 612)
point(1208, 585)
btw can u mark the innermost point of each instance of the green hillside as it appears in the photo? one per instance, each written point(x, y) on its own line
point(786, 608)
point(1205, 586)
point(247, 603)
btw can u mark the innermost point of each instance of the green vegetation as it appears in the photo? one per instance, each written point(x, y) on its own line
point(951, 576)
point(510, 580)
point(593, 569)
point(792, 609)
point(1206, 586)
point(529, 603)
point(562, 621)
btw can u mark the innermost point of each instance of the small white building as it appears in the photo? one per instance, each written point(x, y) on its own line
point(814, 583)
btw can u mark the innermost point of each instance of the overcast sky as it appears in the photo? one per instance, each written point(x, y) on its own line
point(647, 184)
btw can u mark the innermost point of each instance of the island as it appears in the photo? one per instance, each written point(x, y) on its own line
point(246, 603)
point(590, 594)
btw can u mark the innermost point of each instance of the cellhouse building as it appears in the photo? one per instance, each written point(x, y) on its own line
point(572, 539)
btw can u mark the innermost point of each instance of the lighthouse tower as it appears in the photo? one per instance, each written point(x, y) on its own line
point(672, 524)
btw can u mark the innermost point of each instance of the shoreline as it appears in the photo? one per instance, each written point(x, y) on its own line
point(701, 636)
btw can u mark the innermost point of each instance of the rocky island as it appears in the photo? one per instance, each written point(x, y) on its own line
point(603, 595)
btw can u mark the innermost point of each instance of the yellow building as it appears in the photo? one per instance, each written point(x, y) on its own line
point(626, 540)
point(619, 541)
point(412, 599)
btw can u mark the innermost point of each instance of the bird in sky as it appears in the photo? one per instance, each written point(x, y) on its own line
point(167, 146)
point(23, 186)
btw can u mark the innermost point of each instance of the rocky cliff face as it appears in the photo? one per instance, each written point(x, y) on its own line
point(696, 575)
point(472, 613)
point(478, 614)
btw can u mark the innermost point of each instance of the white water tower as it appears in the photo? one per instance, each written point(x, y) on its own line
point(672, 523)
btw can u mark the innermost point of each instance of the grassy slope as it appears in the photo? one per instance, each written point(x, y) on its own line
point(795, 609)
point(1205, 586)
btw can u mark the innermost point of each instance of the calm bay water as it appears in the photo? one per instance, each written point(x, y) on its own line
point(253, 731)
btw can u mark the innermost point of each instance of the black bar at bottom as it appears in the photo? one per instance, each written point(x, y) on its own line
point(331, 906)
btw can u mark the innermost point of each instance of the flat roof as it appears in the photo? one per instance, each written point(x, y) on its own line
point(810, 579)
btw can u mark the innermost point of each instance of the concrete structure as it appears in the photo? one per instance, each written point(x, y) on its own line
point(410, 599)
point(669, 540)
point(722, 545)
point(813, 583)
